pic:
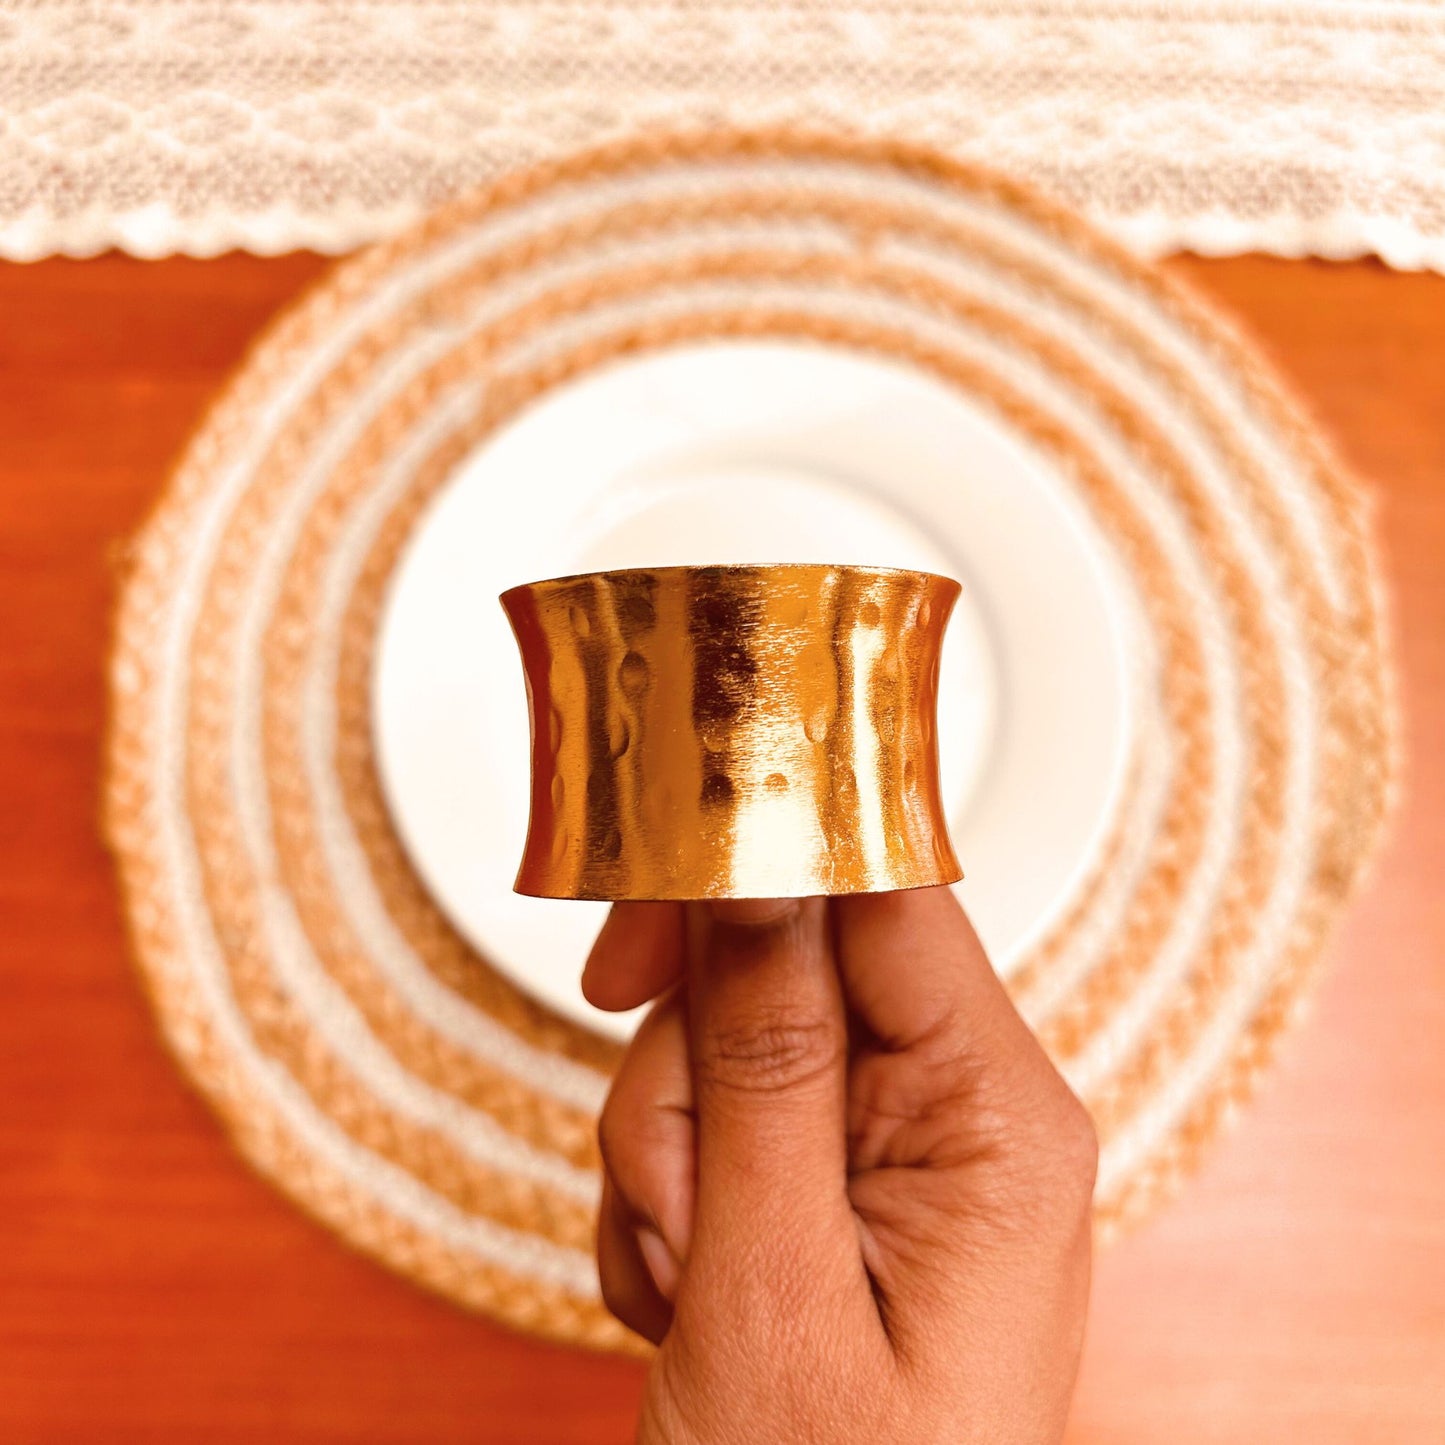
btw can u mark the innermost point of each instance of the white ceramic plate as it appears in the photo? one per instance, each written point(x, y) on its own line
point(758, 452)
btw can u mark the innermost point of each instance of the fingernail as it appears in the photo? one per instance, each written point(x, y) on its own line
point(753, 910)
point(661, 1263)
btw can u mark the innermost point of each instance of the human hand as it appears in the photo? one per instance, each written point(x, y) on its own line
point(845, 1190)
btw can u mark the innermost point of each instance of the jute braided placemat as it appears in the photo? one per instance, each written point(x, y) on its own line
point(363, 1057)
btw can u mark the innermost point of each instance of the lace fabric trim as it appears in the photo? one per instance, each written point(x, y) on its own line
point(1299, 127)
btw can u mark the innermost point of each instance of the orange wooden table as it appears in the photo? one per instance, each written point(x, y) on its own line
point(152, 1290)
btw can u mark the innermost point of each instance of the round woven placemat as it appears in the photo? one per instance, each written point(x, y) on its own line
point(361, 1054)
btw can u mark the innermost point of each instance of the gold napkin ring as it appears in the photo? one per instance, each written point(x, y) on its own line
point(733, 731)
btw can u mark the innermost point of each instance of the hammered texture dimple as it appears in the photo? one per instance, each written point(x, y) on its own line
point(747, 731)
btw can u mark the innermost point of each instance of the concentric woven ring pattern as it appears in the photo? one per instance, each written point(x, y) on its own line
point(403, 1091)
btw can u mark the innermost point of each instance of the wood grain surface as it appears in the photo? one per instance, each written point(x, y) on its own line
point(151, 1289)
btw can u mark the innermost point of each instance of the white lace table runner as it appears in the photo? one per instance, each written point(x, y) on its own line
point(1291, 126)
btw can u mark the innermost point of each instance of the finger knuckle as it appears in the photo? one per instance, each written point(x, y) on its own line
point(612, 1132)
point(1077, 1151)
point(1045, 1162)
point(1067, 1158)
point(767, 1053)
point(629, 1137)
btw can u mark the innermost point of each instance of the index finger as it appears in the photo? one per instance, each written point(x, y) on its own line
point(637, 956)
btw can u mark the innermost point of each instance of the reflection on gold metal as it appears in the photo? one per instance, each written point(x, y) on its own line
point(743, 732)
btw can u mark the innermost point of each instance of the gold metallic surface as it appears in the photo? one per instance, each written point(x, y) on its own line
point(733, 732)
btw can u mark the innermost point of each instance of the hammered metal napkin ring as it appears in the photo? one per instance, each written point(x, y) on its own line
point(733, 732)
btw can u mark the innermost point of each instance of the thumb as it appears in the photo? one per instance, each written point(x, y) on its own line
point(768, 1039)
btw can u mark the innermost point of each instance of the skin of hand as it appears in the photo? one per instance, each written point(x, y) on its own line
point(846, 1192)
